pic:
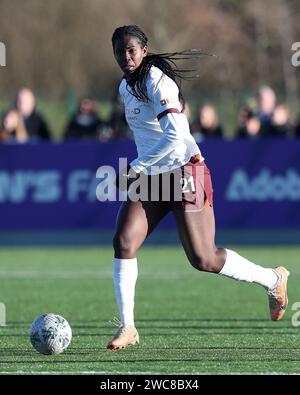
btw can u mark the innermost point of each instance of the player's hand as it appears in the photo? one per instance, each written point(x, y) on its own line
point(125, 178)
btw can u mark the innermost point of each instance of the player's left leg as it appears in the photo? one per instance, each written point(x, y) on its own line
point(197, 232)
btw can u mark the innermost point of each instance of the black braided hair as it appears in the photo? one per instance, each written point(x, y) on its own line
point(166, 62)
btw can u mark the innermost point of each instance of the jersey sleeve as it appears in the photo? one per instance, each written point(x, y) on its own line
point(164, 94)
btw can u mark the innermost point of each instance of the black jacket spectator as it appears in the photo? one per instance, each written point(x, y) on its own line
point(118, 121)
point(250, 126)
point(34, 122)
point(36, 126)
point(281, 123)
point(207, 125)
point(297, 130)
point(85, 123)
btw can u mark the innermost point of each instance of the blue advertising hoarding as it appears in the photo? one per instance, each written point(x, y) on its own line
point(53, 186)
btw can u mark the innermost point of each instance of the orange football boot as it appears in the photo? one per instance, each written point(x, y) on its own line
point(278, 299)
point(125, 336)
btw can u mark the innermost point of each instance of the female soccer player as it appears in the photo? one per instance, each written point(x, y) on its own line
point(154, 111)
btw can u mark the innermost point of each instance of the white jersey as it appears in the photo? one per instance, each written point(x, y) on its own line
point(161, 132)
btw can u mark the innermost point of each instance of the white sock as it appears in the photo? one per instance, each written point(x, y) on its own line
point(241, 269)
point(125, 276)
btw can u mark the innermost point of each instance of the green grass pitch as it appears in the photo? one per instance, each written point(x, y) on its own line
point(189, 322)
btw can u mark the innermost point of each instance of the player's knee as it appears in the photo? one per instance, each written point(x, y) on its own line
point(123, 246)
point(205, 263)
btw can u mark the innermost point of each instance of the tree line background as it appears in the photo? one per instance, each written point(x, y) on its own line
point(64, 46)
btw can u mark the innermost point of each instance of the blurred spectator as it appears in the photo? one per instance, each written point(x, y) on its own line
point(118, 120)
point(206, 125)
point(297, 129)
point(85, 123)
point(266, 102)
point(249, 125)
point(34, 122)
point(106, 133)
point(187, 111)
point(281, 124)
point(12, 129)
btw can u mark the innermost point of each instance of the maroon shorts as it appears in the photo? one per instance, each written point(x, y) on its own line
point(187, 188)
point(196, 184)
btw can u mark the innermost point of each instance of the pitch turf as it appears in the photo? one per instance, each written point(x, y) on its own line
point(189, 322)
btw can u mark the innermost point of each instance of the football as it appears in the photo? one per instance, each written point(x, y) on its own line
point(50, 334)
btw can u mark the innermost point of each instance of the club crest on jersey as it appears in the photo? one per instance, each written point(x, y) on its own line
point(163, 102)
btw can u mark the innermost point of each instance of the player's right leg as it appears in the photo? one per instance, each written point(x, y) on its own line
point(136, 220)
